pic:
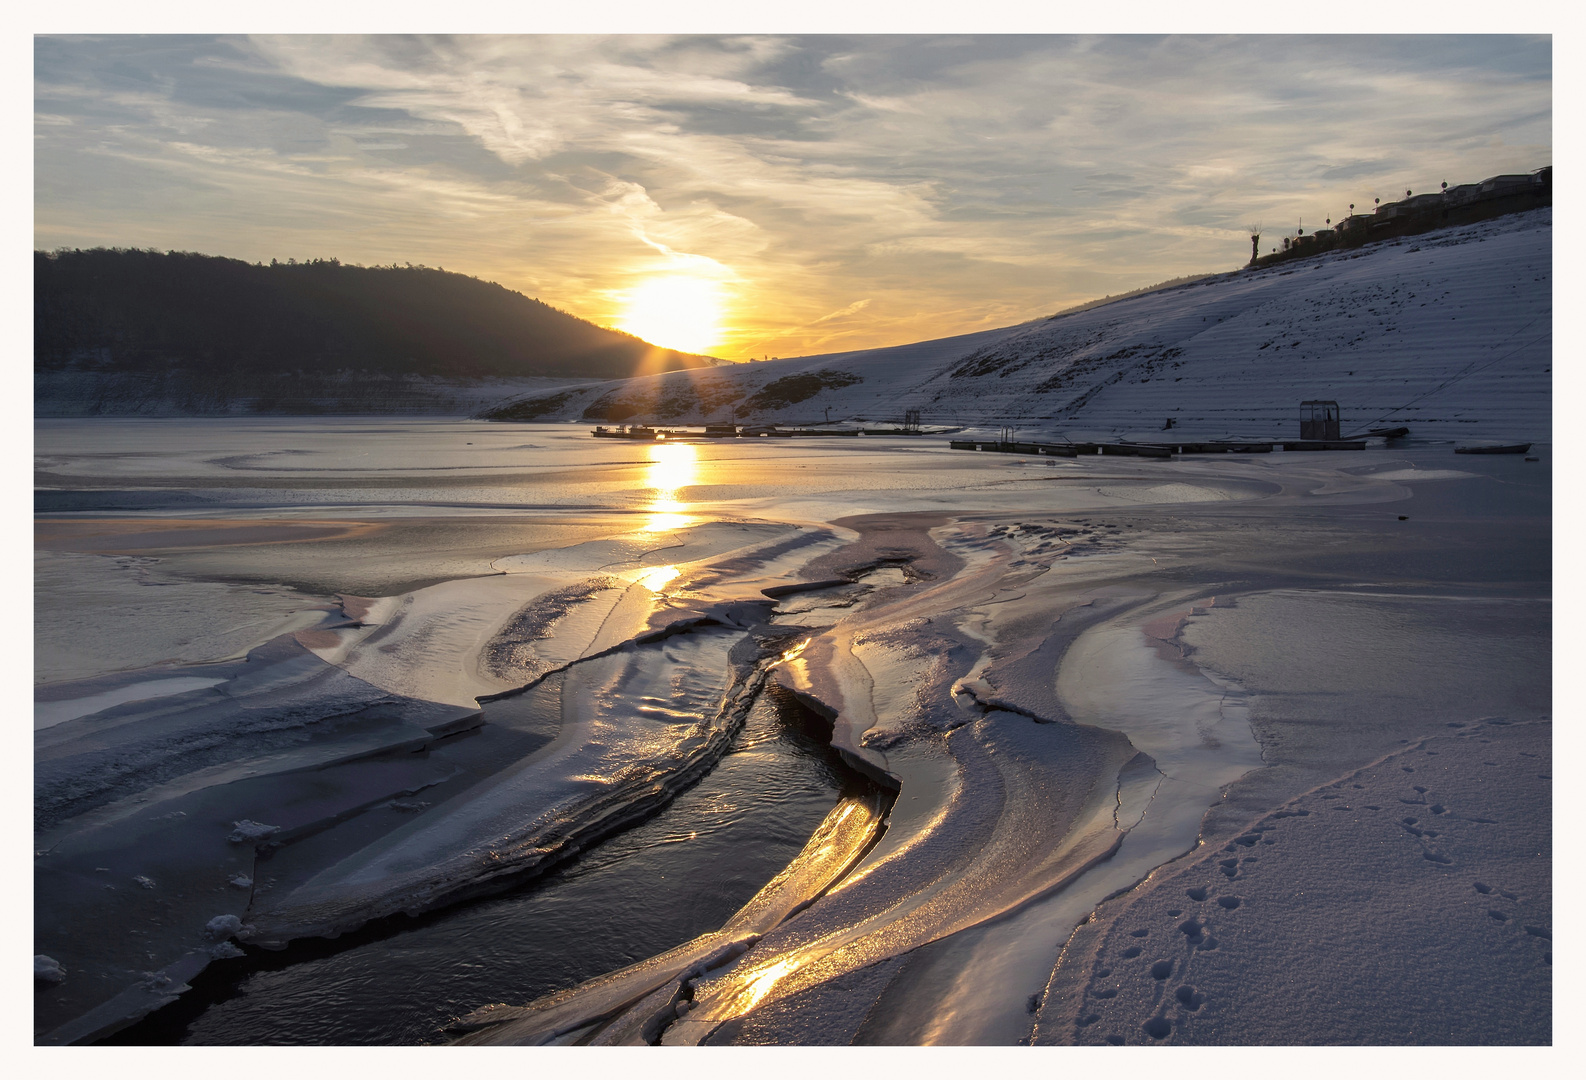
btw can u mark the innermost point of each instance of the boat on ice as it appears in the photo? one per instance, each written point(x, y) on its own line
point(1512, 448)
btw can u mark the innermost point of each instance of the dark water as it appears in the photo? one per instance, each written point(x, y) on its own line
point(641, 892)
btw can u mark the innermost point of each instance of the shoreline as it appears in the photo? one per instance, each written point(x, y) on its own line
point(940, 657)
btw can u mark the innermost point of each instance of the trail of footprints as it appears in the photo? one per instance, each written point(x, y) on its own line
point(1168, 957)
point(1175, 950)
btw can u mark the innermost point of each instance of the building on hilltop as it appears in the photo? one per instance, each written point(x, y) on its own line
point(1507, 193)
point(1512, 182)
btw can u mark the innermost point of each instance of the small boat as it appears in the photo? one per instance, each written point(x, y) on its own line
point(637, 431)
point(1324, 444)
point(1514, 448)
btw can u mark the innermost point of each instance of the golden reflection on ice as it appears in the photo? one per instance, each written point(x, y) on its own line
point(794, 653)
point(656, 577)
point(793, 661)
point(663, 518)
point(761, 984)
point(673, 466)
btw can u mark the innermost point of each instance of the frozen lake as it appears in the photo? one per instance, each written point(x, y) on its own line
point(1017, 687)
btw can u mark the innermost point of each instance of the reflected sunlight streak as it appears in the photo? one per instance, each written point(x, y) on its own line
point(763, 983)
point(673, 466)
point(656, 577)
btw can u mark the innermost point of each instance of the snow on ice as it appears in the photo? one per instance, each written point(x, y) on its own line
point(1126, 735)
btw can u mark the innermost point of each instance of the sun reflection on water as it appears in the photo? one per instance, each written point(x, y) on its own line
point(656, 577)
point(763, 982)
point(673, 466)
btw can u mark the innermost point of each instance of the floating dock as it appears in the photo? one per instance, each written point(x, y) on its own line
point(1154, 449)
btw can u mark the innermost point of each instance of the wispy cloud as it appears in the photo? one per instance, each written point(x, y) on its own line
point(955, 183)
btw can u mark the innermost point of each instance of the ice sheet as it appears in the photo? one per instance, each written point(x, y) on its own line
point(49, 713)
point(636, 724)
point(1000, 659)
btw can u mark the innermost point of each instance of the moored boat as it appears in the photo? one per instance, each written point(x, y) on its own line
point(1513, 448)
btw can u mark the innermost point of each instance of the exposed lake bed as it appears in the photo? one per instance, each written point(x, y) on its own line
point(1063, 675)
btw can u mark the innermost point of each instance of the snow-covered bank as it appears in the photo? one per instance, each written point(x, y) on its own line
point(1409, 902)
point(1448, 333)
point(1035, 780)
point(376, 809)
point(1062, 671)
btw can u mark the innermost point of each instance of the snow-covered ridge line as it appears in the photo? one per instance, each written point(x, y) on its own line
point(1447, 332)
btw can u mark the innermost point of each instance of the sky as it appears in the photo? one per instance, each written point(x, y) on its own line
point(750, 196)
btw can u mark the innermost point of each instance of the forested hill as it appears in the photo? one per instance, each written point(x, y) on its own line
point(204, 334)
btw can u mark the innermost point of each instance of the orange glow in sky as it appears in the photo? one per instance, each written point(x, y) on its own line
point(766, 195)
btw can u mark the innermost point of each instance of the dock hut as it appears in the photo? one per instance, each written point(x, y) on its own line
point(1319, 420)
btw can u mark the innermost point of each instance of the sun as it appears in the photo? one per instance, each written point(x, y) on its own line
point(675, 312)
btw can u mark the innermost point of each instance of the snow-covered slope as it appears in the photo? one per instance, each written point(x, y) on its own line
point(1449, 333)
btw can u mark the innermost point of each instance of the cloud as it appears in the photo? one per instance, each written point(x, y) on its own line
point(843, 312)
point(949, 180)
